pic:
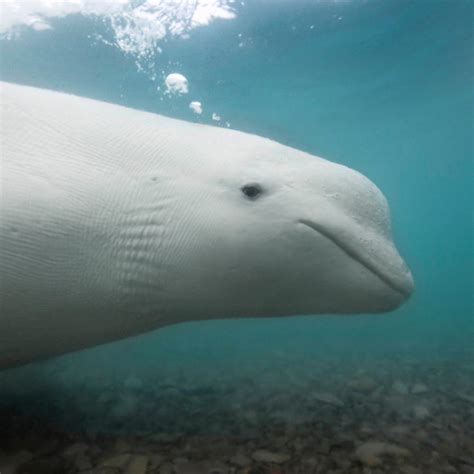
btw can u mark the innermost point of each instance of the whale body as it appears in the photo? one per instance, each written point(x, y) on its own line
point(115, 221)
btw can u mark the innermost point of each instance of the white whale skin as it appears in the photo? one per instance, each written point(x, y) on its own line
point(115, 221)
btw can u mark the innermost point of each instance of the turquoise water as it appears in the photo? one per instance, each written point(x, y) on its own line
point(382, 87)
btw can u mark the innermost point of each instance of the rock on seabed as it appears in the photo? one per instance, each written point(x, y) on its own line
point(371, 453)
point(327, 397)
point(262, 455)
point(419, 388)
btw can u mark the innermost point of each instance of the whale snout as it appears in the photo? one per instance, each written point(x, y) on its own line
point(402, 279)
point(349, 217)
point(371, 265)
point(377, 255)
point(394, 272)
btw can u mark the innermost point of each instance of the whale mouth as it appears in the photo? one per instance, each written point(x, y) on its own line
point(364, 260)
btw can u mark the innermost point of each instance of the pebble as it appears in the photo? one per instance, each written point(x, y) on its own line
point(399, 430)
point(421, 412)
point(116, 461)
point(419, 388)
point(122, 446)
point(311, 462)
point(137, 465)
point(371, 452)
point(400, 388)
point(156, 460)
point(327, 397)
point(75, 449)
point(366, 429)
point(364, 384)
point(240, 460)
point(262, 455)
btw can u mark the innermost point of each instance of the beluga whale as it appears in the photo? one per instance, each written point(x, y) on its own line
point(115, 221)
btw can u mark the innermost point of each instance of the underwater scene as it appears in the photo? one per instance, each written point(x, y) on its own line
point(186, 287)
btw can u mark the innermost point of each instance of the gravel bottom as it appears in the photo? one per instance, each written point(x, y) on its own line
point(394, 415)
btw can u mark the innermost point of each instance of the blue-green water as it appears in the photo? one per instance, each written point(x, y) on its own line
point(383, 87)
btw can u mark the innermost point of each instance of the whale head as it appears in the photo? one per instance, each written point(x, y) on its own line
point(268, 230)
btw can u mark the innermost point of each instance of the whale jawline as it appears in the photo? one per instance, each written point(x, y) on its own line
point(354, 255)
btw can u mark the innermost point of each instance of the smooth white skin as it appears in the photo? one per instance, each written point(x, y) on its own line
point(115, 221)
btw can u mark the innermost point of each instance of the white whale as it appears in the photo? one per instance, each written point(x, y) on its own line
point(115, 221)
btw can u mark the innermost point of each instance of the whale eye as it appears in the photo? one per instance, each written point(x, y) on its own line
point(252, 191)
